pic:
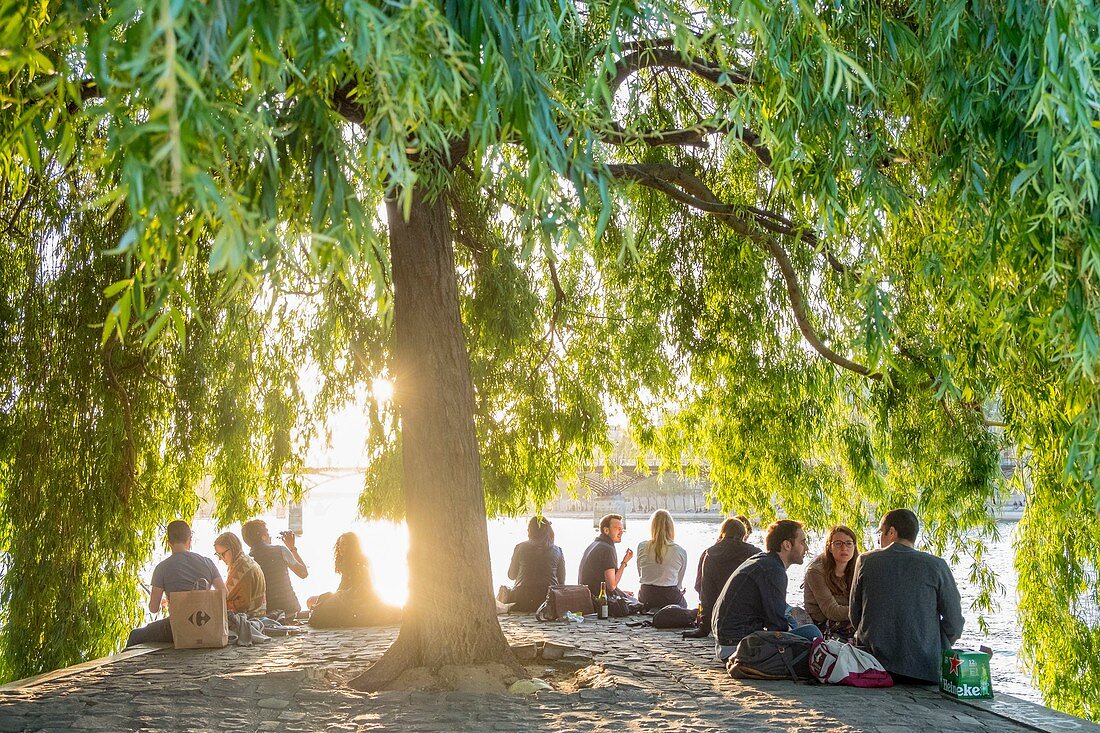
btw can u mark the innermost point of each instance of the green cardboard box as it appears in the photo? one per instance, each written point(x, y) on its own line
point(964, 675)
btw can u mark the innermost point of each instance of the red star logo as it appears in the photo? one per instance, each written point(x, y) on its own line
point(955, 662)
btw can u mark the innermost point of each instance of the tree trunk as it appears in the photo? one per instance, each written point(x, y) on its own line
point(450, 617)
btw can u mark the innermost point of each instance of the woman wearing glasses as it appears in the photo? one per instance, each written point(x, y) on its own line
point(246, 589)
point(828, 582)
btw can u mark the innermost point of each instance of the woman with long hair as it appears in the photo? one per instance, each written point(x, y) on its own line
point(354, 603)
point(661, 564)
point(245, 586)
point(536, 565)
point(829, 581)
point(717, 564)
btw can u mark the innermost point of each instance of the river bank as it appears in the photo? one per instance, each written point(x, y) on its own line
point(624, 679)
point(325, 516)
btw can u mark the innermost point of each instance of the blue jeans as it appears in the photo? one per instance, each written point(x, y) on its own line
point(809, 631)
point(722, 652)
point(157, 631)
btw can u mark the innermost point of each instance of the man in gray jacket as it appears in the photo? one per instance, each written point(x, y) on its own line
point(905, 605)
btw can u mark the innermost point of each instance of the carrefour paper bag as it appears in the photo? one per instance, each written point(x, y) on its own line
point(198, 619)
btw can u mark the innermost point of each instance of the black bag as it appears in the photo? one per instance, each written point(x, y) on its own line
point(771, 655)
point(620, 605)
point(562, 599)
point(674, 617)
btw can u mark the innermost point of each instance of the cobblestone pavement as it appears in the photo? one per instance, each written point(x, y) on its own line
point(638, 679)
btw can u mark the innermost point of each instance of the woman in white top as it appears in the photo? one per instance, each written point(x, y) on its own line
point(661, 565)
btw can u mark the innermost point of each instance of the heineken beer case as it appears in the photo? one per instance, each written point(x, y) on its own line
point(964, 675)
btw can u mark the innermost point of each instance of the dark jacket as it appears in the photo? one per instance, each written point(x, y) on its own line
point(535, 567)
point(754, 599)
point(716, 565)
point(905, 608)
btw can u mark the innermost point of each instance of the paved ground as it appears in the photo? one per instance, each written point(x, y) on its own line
point(638, 679)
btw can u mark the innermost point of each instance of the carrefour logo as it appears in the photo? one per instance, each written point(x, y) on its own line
point(199, 618)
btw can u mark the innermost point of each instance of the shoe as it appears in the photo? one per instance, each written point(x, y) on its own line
point(503, 593)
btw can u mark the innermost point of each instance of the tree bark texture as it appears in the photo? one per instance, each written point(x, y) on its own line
point(450, 617)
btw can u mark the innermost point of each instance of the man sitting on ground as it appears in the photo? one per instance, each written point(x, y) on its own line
point(183, 570)
point(905, 605)
point(755, 596)
point(600, 563)
point(275, 561)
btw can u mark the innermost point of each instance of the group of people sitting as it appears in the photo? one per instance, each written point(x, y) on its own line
point(898, 603)
point(258, 584)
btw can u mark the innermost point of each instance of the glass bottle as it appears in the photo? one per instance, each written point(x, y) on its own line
point(601, 600)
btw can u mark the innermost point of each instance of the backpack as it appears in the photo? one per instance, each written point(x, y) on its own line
point(771, 655)
point(674, 617)
point(836, 663)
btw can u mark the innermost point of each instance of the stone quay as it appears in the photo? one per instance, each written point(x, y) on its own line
point(607, 676)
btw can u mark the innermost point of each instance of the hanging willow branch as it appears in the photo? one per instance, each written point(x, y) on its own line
point(687, 188)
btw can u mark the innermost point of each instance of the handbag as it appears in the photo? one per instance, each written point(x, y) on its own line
point(836, 663)
point(563, 599)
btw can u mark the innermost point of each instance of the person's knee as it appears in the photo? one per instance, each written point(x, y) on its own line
point(809, 631)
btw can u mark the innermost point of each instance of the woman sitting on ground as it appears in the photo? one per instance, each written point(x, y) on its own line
point(354, 603)
point(661, 565)
point(718, 563)
point(829, 581)
point(246, 588)
point(536, 565)
point(725, 532)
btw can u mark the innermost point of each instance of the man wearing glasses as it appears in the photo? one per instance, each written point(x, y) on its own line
point(905, 605)
point(183, 570)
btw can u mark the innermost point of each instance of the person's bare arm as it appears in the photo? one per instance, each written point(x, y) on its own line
point(612, 576)
point(298, 566)
point(156, 595)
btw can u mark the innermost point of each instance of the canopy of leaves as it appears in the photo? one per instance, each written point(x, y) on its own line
point(801, 246)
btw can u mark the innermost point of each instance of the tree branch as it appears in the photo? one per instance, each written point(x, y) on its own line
point(687, 188)
point(344, 104)
point(656, 55)
point(669, 58)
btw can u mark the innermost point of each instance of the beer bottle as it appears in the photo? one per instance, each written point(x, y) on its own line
point(601, 600)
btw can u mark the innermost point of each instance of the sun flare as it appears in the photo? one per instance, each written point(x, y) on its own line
point(382, 389)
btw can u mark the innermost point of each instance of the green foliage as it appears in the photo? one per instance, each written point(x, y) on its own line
point(102, 444)
point(799, 246)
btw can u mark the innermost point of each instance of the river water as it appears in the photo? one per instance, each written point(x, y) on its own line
point(329, 512)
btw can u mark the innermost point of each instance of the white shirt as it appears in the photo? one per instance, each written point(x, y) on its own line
point(668, 573)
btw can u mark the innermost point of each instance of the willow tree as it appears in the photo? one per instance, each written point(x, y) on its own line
point(829, 236)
